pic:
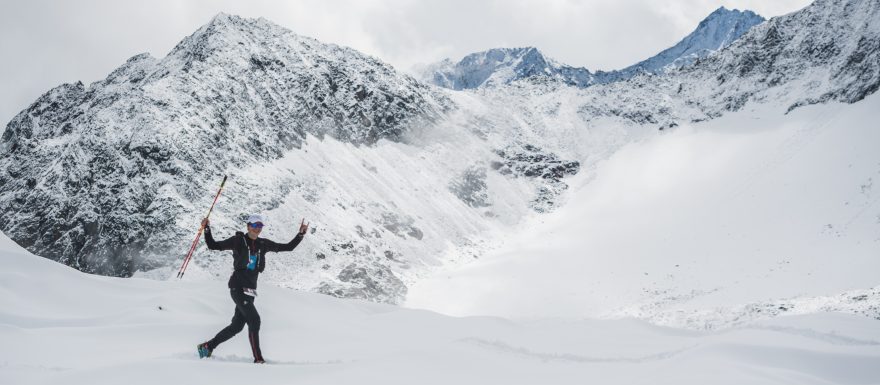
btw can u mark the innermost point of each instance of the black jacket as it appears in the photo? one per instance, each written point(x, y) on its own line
point(241, 245)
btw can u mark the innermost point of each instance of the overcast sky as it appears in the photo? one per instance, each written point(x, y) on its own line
point(47, 43)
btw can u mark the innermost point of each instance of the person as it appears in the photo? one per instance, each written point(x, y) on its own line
point(248, 261)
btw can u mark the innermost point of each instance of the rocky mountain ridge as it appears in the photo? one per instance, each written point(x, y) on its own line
point(399, 177)
point(718, 30)
point(235, 92)
point(499, 66)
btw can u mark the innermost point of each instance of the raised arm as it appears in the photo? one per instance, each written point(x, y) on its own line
point(226, 244)
point(289, 246)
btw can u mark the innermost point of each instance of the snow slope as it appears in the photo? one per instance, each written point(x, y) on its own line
point(59, 325)
point(750, 208)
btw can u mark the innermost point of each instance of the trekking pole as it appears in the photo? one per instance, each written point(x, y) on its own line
point(195, 243)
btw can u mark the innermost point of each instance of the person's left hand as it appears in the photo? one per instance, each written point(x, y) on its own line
point(303, 227)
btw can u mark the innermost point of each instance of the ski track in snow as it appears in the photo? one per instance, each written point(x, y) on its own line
point(566, 357)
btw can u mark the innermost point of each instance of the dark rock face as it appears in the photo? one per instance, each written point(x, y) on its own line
point(374, 282)
point(73, 193)
point(860, 73)
point(96, 176)
point(400, 225)
point(471, 187)
point(830, 50)
point(532, 162)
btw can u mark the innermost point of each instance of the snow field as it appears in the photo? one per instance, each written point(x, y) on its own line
point(751, 207)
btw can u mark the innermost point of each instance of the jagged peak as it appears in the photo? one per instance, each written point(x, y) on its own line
point(503, 66)
point(222, 30)
point(508, 56)
point(228, 23)
point(139, 57)
point(723, 13)
point(222, 17)
point(722, 10)
point(719, 29)
point(501, 54)
point(226, 20)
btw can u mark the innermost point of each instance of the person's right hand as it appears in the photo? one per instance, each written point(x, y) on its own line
point(205, 223)
point(303, 227)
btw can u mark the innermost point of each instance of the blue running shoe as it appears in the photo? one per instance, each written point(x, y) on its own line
point(204, 350)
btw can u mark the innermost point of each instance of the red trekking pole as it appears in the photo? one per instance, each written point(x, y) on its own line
point(199, 234)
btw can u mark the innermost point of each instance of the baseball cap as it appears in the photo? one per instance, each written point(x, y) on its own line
point(255, 218)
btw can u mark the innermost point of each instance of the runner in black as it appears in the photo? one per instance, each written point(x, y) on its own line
point(248, 261)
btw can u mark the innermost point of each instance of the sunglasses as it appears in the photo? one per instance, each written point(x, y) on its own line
point(258, 225)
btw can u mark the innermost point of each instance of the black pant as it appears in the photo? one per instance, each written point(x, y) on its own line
point(245, 312)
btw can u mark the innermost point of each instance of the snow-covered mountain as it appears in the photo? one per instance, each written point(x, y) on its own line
point(826, 51)
point(718, 30)
point(717, 224)
point(502, 66)
point(399, 178)
point(830, 50)
point(112, 177)
point(505, 65)
point(96, 177)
